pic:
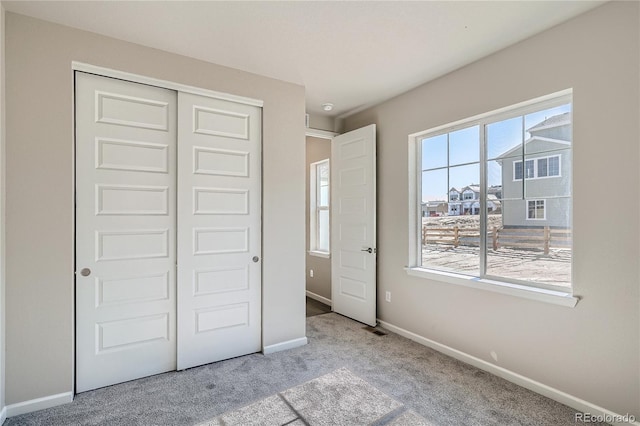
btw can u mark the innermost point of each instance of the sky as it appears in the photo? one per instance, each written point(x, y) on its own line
point(464, 153)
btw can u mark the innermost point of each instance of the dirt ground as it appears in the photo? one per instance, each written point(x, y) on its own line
point(520, 264)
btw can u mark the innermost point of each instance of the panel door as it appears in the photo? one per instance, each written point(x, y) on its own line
point(219, 230)
point(125, 231)
point(353, 224)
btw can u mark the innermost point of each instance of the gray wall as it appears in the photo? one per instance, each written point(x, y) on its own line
point(592, 350)
point(317, 150)
point(39, 238)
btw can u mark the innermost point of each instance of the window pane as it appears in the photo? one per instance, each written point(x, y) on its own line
point(504, 138)
point(548, 129)
point(529, 169)
point(517, 170)
point(323, 200)
point(323, 230)
point(542, 167)
point(434, 152)
point(452, 238)
point(554, 166)
point(434, 185)
point(464, 146)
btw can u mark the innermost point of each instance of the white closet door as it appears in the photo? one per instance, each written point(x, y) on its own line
point(125, 231)
point(219, 230)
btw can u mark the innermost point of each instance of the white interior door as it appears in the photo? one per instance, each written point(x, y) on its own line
point(125, 231)
point(353, 224)
point(219, 230)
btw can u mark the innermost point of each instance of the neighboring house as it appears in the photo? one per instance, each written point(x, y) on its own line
point(434, 208)
point(543, 176)
point(466, 201)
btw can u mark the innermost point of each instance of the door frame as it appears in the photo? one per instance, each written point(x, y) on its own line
point(134, 78)
point(328, 136)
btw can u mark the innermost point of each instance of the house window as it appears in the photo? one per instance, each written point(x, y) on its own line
point(536, 209)
point(520, 213)
point(319, 207)
point(536, 168)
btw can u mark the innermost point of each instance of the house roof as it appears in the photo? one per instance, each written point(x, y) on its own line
point(528, 141)
point(553, 121)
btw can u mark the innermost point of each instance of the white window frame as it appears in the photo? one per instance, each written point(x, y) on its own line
point(544, 209)
point(535, 168)
point(533, 291)
point(315, 208)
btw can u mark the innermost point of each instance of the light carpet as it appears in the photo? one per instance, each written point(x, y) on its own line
point(337, 398)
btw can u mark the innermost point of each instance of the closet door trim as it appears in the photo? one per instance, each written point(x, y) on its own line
point(165, 84)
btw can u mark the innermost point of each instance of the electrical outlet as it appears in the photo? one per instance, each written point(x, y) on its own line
point(387, 296)
point(311, 273)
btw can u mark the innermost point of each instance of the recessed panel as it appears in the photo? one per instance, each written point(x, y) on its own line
point(355, 205)
point(353, 177)
point(353, 149)
point(353, 259)
point(222, 317)
point(220, 240)
point(215, 122)
point(112, 291)
point(220, 201)
point(115, 154)
point(220, 162)
point(112, 108)
point(123, 334)
point(220, 280)
point(134, 244)
point(132, 200)
point(353, 288)
point(353, 232)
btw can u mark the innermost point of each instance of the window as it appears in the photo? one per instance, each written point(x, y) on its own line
point(319, 208)
point(535, 209)
point(538, 168)
point(518, 230)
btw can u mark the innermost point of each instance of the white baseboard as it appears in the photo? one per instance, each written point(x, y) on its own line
point(38, 404)
point(319, 298)
point(283, 346)
point(3, 415)
point(552, 393)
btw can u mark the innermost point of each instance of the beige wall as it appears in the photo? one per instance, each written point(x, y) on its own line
point(322, 122)
point(317, 150)
point(39, 290)
point(592, 350)
point(2, 212)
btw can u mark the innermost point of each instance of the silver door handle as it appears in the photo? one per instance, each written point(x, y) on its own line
point(368, 250)
point(255, 259)
point(85, 272)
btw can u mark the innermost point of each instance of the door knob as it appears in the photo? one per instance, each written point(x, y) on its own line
point(85, 272)
point(255, 259)
point(368, 250)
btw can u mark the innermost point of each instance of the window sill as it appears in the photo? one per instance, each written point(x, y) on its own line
point(531, 293)
point(323, 254)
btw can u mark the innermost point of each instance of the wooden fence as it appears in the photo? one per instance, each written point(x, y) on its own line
point(542, 238)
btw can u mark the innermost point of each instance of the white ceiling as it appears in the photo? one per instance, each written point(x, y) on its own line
point(353, 54)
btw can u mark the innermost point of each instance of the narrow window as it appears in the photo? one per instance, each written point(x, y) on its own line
point(319, 207)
